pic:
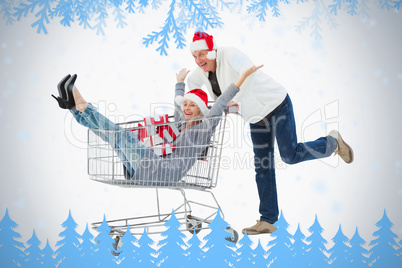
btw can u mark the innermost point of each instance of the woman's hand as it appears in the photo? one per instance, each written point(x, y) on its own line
point(246, 74)
point(181, 76)
point(251, 70)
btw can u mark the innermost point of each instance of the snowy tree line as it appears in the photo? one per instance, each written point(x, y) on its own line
point(175, 250)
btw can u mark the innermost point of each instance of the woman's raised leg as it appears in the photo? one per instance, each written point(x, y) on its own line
point(125, 143)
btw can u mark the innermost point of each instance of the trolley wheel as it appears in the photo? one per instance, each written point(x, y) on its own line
point(191, 224)
point(116, 246)
point(234, 235)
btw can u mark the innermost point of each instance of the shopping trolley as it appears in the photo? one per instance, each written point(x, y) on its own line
point(111, 166)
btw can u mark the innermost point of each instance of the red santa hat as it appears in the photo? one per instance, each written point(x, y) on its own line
point(196, 95)
point(204, 41)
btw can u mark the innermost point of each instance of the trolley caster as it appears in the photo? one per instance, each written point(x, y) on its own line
point(191, 224)
point(116, 245)
point(234, 235)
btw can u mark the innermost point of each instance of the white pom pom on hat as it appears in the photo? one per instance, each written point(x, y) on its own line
point(204, 41)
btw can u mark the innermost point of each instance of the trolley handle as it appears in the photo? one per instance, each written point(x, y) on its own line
point(226, 111)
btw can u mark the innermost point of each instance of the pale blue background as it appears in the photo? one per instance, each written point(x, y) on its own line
point(354, 74)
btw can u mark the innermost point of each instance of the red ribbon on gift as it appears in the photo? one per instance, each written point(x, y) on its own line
point(142, 132)
point(168, 132)
point(154, 121)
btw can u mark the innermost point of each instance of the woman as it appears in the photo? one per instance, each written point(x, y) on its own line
point(142, 163)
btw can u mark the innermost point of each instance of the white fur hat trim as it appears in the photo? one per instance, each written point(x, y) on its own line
point(192, 97)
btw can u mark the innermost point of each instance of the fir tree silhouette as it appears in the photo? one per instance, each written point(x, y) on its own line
point(48, 256)
point(171, 253)
point(299, 249)
point(195, 254)
point(33, 252)
point(145, 253)
point(219, 251)
point(280, 253)
point(259, 253)
point(316, 248)
point(340, 251)
point(357, 254)
point(104, 243)
point(384, 250)
point(127, 250)
point(88, 248)
point(11, 250)
point(68, 253)
point(245, 253)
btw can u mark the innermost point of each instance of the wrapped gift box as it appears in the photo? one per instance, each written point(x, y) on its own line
point(163, 149)
point(153, 140)
point(158, 137)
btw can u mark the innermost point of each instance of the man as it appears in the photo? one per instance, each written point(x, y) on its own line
point(264, 104)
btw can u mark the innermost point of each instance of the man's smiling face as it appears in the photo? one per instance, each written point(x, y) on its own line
point(203, 62)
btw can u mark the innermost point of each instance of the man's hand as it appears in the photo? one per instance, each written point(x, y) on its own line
point(233, 107)
point(232, 103)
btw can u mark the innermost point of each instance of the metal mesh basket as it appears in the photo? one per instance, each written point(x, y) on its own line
point(105, 163)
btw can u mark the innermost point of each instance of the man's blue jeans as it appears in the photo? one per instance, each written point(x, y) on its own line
point(282, 127)
point(126, 145)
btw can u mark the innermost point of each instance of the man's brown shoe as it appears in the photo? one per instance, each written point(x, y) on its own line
point(343, 149)
point(262, 227)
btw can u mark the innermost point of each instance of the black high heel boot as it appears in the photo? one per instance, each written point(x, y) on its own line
point(65, 88)
point(62, 92)
point(69, 86)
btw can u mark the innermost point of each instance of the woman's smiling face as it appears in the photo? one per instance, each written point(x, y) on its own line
point(191, 110)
